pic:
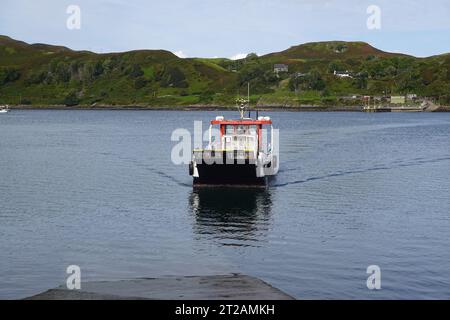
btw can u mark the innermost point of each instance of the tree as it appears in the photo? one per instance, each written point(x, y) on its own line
point(251, 56)
point(250, 71)
point(87, 74)
point(375, 69)
point(437, 88)
point(408, 81)
point(427, 76)
point(360, 80)
point(25, 101)
point(98, 69)
point(75, 70)
point(135, 71)
point(36, 78)
point(310, 81)
point(173, 77)
point(207, 96)
point(335, 65)
point(8, 75)
point(62, 72)
point(376, 87)
point(108, 65)
point(139, 83)
point(270, 77)
point(315, 80)
point(71, 99)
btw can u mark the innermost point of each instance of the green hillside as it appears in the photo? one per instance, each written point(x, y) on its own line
point(40, 75)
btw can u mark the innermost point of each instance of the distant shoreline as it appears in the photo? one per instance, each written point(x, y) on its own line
point(184, 108)
point(200, 108)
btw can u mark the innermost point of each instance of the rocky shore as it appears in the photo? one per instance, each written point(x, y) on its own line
point(202, 108)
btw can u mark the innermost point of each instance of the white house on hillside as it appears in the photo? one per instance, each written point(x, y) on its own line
point(343, 74)
point(280, 68)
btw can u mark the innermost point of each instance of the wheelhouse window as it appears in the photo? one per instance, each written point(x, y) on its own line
point(240, 129)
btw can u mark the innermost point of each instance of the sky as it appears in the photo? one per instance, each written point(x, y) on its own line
point(229, 28)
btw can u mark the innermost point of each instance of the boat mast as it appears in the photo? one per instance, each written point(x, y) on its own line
point(248, 94)
point(242, 103)
point(248, 98)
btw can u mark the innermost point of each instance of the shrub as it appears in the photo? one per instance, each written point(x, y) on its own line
point(135, 71)
point(8, 75)
point(71, 99)
point(139, 83)
point(25, 101)
point(173, 77)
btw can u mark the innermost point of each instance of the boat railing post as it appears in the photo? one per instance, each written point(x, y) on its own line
point(271, 138)
point(210, 136)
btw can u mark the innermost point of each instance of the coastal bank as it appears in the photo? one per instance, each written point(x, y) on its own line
point(211, 107)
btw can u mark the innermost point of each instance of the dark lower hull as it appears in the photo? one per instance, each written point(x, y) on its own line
point(228, 174)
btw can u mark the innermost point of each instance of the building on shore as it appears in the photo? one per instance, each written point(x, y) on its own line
point(343, 74)
point(399, 100)
point(411, 97)
point(277, 68)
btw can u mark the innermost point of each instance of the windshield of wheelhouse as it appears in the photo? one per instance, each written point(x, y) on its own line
point(240, 137)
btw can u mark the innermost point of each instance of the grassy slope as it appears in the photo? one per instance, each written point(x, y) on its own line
point(209, 81)
point(318, 55)
point(109, 88)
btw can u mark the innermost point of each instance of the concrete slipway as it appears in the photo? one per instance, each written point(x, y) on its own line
point(218, 287)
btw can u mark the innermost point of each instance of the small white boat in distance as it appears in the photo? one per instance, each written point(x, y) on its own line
point(4, 109)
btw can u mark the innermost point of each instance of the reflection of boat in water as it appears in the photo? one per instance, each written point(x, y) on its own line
point(237, 154)
point(235, 215)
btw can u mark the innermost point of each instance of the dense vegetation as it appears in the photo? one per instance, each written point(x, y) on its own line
point(50, 75)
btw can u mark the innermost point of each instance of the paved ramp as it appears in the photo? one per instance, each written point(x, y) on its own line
point(221, 287)
point(429, 106)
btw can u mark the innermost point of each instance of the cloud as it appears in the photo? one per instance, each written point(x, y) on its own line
point(180, 54)
point(239, 56)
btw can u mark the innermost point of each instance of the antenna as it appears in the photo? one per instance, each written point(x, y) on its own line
point(241, 110)
point(248, 98)
point(248, 93)
point(242, 103)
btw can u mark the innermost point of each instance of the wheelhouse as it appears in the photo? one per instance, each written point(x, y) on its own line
point(239, 135)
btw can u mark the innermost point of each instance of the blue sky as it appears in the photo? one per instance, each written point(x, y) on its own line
point(226, 28)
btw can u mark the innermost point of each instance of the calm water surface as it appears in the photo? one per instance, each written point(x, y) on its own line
point(98, 189)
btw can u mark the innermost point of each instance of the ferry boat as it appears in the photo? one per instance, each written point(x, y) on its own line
point(240, 154)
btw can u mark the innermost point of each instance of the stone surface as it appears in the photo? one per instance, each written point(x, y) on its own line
point(220, 287)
